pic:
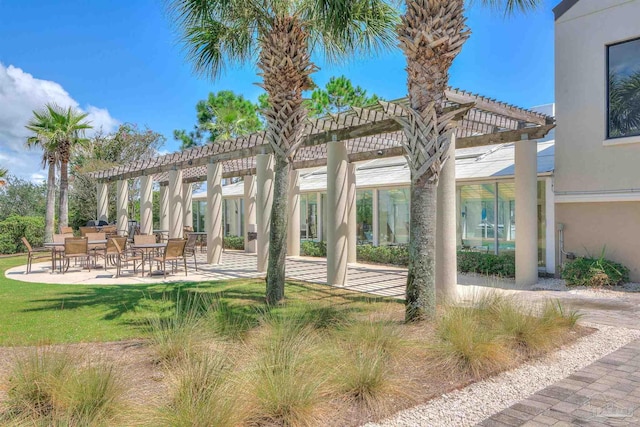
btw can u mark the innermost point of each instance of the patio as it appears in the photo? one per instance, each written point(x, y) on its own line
point(378, 280)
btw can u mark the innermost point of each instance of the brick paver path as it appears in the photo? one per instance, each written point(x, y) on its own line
point(605, 393)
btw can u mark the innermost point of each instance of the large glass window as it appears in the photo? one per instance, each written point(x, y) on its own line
point(309, 216)
point(393, 216)
point(478, 223)
point(624, 89)
point(364, 216)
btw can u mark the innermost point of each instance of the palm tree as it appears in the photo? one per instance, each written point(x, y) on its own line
point(281, 35)
point(40, 125)
point(58, 131)
point(3, 174)
point(624, 104)
point(431, 34)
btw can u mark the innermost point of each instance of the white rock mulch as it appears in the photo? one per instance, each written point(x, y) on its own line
point(481, 400)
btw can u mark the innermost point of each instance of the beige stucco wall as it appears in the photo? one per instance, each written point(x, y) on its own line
point(589, 227)
point(584, 162)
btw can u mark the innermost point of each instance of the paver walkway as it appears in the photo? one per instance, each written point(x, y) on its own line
point(605, 393)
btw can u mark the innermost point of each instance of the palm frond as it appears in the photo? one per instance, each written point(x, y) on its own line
point(510, 7)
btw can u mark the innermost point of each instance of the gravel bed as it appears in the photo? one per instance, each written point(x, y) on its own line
point(481, 400)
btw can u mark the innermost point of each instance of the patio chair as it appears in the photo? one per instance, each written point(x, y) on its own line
point(190, 248)
point(58, 251)
point(66, 230)
point(35, 254)
point(94, 248)
point(116, 247)
point(111, 252)
point(85, 230)
point(173, 253)
point(76, 248)
point(110, 230)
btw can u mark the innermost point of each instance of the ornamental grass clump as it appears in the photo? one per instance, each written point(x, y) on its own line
point(285, 383)
point(51, 388)
point(175, 335)
point(204, 394)
point(364, 358)
point(466, 345)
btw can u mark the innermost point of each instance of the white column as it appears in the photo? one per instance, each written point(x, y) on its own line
point(526, 213)
point(550, 232)
point(352, 229)
point(176, 216)
point(249, 213)
point(293, 234)
point(164, 207)
point(122, 207)
point(337, 213)
point(103, 201)
point(319, 220)
point(446, 236)
point(187, 197)
point(264, 198)
point(375, 218)
point(214, 213)
point(146, 205)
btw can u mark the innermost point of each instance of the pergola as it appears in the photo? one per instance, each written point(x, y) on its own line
point(336, 141)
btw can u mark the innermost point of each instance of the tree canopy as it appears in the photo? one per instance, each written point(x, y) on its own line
point(338, 96)
point(221, 116)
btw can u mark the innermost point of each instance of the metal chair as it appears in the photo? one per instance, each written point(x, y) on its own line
point(94, 248)
point(173, 253)
point(116, 247)
point(66, 230)
point(35, 254)
point(75, 247)
point(190, 248)
point(85, 230)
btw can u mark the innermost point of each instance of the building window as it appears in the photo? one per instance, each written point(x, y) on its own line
point(364, 216)
point(393, 216)
point(623, 63)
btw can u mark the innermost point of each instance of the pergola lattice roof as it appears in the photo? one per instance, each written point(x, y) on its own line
point(369, 133)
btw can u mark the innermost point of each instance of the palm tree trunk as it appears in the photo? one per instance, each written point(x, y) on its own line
point(431, 35)
point(286, 66)
point(421, 291)
point(63, 207)
point(278, 236)
point(49, 216)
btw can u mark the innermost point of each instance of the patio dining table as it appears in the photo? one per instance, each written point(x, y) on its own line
point(148, 249)
point(54, 245)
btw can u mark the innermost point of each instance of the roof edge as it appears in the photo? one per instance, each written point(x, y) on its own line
point(563, 7)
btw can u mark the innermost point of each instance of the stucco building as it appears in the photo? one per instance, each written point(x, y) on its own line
point(597, 164)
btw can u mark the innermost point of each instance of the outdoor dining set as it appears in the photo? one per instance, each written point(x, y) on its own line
point(116, 251)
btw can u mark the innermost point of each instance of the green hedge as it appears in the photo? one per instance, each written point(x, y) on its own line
point(234, 242)
point(15, 227)
point(585, 271)
point(503, 265)
point(392, 255)
point(310, 248)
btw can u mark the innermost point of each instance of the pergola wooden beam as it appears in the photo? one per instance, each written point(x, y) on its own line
point(468, 142)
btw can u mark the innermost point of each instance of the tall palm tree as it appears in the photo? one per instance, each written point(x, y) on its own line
point(40, 125)
point(431, 34)
point(281, 35)
point(62, 129)
point(4, 172)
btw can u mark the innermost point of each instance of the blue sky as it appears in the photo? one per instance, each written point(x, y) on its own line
point(121, 61)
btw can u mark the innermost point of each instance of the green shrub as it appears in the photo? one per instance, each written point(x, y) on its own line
point(234, 242)
point(394, 255)
point(311, 248)
point(587, 271)
point(15, 227)
point(503, 265)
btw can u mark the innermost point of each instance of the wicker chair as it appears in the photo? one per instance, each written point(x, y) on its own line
point(173, 253)
point(116, 249)
point(94, 248)
point(66, 230)
point(190, 248)
point(75, 247)
point(35, 254)
point(85, 230)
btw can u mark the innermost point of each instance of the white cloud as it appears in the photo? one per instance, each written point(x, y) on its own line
point(20, 94)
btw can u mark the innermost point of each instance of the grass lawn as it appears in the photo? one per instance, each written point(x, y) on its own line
point(37, 313)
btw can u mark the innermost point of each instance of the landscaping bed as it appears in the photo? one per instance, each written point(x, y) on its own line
point(326, 357)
